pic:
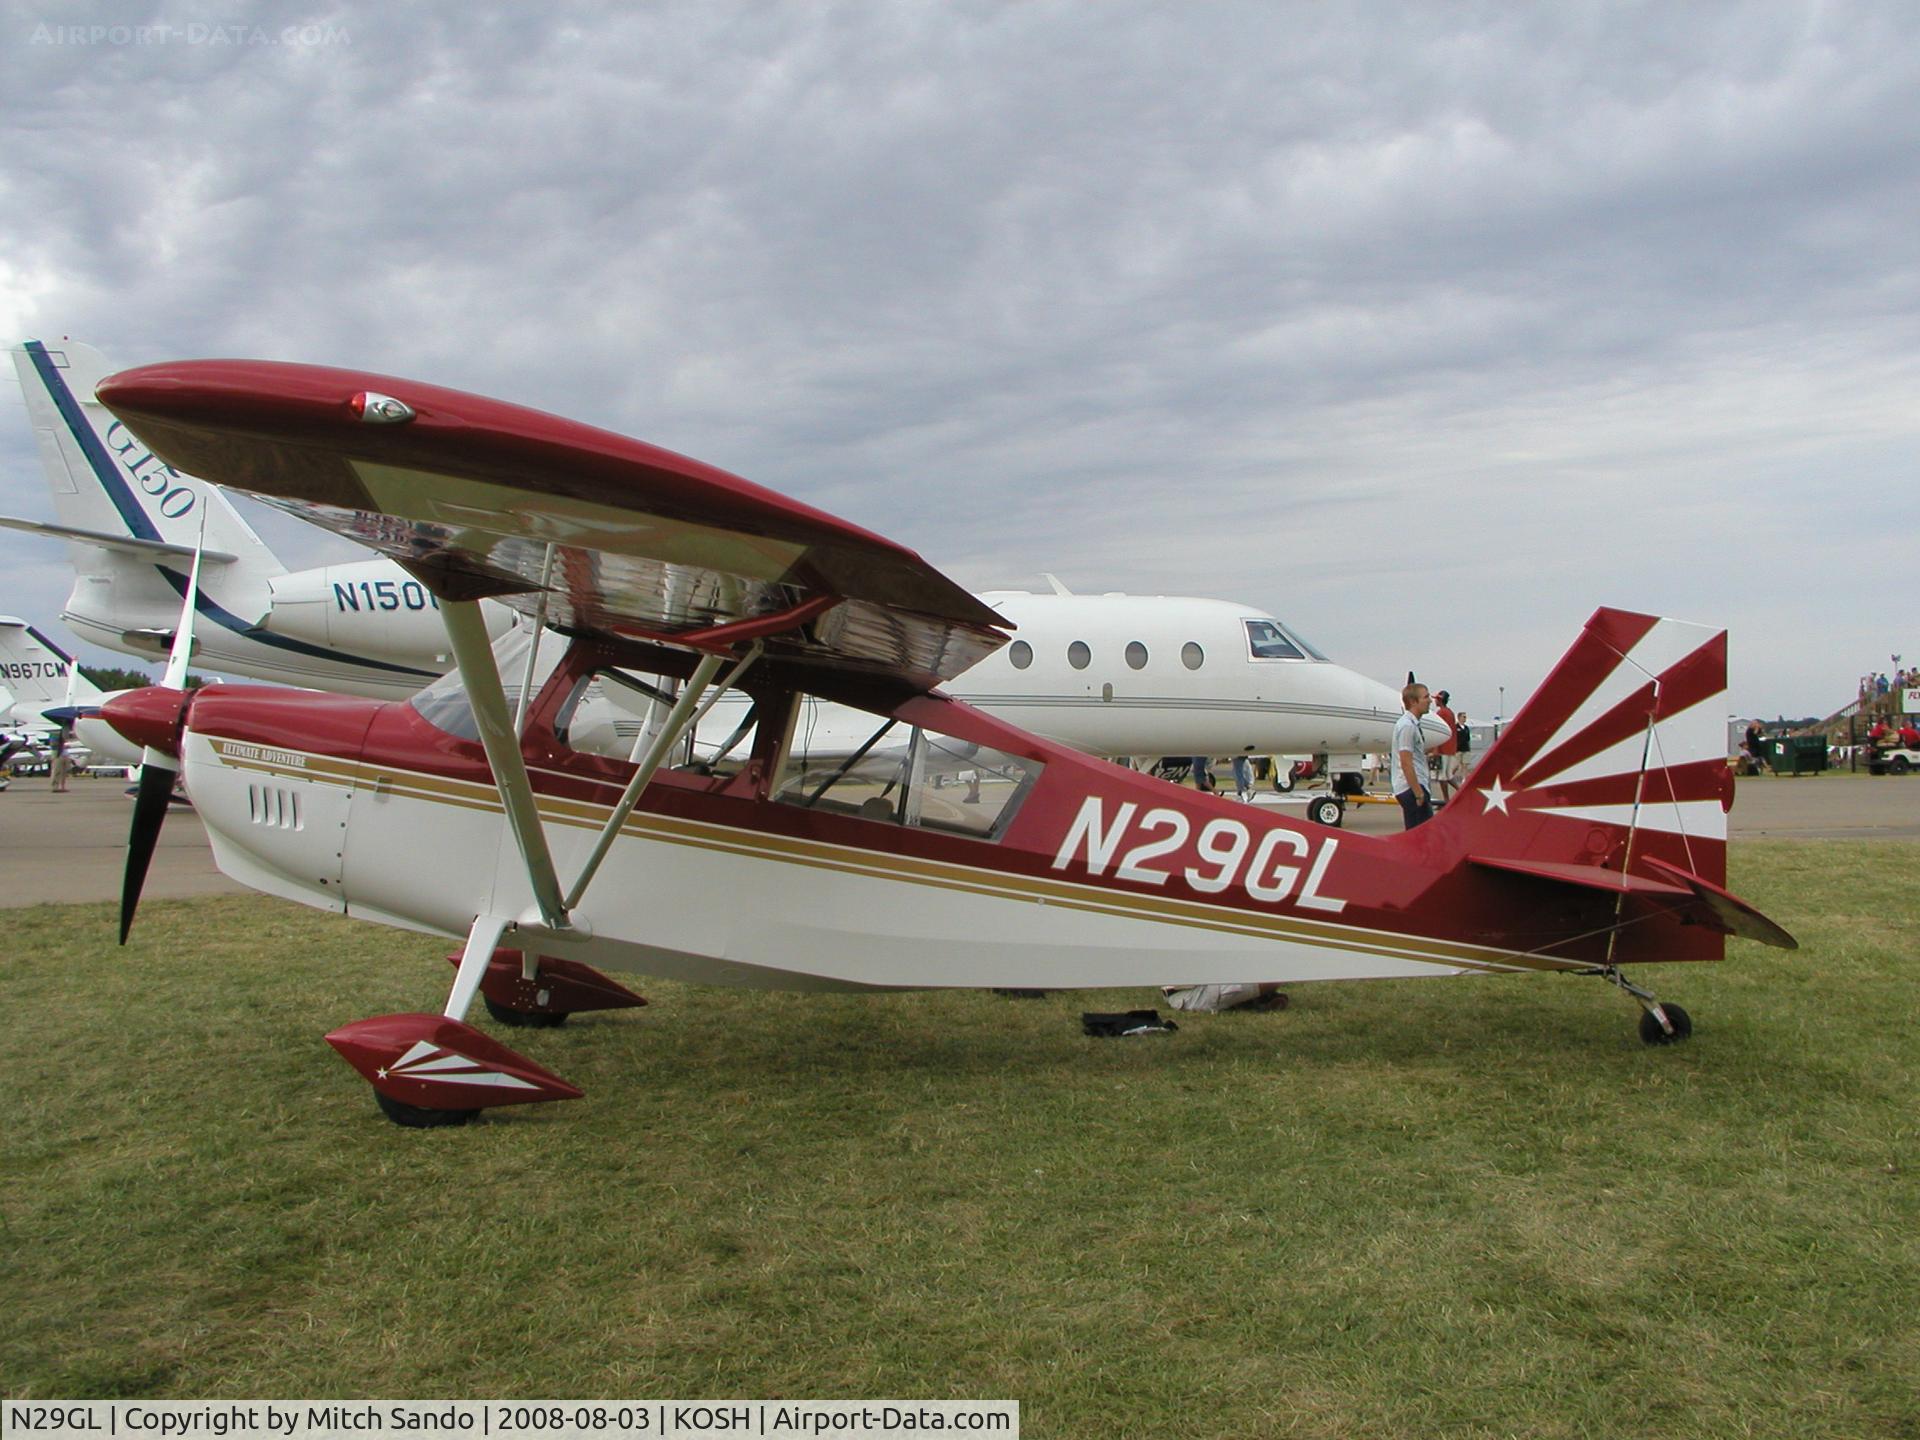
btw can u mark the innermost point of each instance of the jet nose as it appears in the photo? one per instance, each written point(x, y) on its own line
point(153, 716)
point(1383, 700)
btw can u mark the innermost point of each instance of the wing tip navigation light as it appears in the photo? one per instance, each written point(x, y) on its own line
point(377, 409)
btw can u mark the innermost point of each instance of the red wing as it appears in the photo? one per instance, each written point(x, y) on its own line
point(468, 494)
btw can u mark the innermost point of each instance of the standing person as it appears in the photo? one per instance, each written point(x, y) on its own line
point(1447, 753)
point(57, 766)
point(1410, 785)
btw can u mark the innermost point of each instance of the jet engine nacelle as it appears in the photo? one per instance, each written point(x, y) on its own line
point(369, 607)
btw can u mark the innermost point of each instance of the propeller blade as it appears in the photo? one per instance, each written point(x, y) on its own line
point(175, 675)
point(149, 814)
point(157, 768)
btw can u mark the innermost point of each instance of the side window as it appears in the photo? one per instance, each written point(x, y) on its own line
point(1267, 641)
point(617, 713)
point(1136, 655)
point(1021, 654)
point(1192, 656)
point(901, 775)
point(1078, 655)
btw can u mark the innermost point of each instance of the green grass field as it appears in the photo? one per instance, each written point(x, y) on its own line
point(1477, 1208)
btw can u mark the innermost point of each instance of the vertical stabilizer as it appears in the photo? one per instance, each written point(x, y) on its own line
point(40, 674)
point(1619, 759)
point(104, 482)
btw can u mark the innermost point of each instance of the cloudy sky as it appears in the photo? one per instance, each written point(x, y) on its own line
point(1427, 327)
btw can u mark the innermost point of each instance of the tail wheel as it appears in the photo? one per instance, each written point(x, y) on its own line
point(1652, 1032)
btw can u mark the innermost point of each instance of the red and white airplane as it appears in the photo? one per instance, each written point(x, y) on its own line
point(952, 849)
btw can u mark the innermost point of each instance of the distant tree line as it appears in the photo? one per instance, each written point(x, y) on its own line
point(109, 677)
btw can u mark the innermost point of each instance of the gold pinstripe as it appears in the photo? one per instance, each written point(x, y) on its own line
point(944, 875)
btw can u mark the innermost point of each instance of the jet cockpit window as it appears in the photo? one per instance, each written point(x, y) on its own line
point(445, 705)
point(1267, 641)
point(898, 774)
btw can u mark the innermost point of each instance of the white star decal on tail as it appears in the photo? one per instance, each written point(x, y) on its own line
point(1496, 797)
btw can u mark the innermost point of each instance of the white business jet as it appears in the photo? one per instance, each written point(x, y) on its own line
point(1117, 675)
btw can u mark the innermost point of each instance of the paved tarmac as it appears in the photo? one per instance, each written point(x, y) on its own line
point(60, 849)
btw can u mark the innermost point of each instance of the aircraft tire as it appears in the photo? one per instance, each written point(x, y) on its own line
point(1325, 812)
point(1282, 777)
point(420, 1117)
point(525, 1019)
point(1652, 1034)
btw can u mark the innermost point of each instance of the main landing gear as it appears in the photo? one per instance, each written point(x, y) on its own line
point(429, 1071)
point(1659, 1024)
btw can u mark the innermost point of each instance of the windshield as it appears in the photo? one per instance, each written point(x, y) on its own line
point(1266, 640)
point(444, 703)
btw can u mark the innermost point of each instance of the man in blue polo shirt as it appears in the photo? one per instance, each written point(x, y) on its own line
point(1410, 783)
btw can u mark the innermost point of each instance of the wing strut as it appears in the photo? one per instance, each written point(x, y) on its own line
point(682, 718)
point(473, 652)
point(533, 650)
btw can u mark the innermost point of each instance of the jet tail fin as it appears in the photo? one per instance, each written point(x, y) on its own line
point(40, 674)
point(109, 490)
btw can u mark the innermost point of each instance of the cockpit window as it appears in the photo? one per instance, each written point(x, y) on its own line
point(899, 774)
point(1267, 641)
point(444, 703)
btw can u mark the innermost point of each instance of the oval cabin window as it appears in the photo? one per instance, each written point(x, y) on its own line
point(1192, 656)
point(1136, 655)
point(1021, 654)
point(1078, 655)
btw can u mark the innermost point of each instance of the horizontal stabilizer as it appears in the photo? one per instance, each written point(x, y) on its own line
point(1695, 899)
point(120, 544)
point(1587, 877)
point(1732, 914)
